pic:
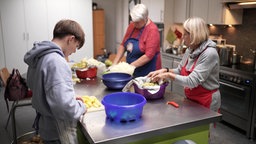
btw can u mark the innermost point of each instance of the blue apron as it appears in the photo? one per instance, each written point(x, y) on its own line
point(133, 53)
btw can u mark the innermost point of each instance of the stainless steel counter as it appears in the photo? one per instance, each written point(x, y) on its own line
point(157, 118)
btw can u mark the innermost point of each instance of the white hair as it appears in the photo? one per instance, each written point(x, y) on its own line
point(139, 12)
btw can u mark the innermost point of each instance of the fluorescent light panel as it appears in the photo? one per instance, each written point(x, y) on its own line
point(246, 3)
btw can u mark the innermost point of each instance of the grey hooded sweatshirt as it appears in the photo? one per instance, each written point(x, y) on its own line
point(50, 79)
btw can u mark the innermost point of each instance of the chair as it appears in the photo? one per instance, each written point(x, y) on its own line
point(4, 75)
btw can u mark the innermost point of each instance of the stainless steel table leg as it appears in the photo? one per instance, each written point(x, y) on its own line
point(9, 116)
point(14, 134)
point(14, 122)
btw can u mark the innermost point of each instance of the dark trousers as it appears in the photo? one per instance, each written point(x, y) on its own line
point(52, 142)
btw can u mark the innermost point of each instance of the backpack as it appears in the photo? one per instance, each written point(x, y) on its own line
point(16, 87)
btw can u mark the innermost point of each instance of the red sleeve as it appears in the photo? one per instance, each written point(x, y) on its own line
point(150, 40)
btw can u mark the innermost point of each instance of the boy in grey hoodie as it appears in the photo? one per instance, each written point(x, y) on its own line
point(50, 79)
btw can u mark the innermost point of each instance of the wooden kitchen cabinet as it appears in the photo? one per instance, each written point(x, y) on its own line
point(215, 11)
point(219, 14)
point(98, 32)
point(155, 10)
point(20, 28)
point(177, 88)
point(199, 8)
point(172, 61)
point(167, 62)
point(212, 11)
point(181, 10)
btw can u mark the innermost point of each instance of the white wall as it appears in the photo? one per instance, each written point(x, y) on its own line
point(2, 58)
point(85, 20)
point(80, 11)
point(122, 21)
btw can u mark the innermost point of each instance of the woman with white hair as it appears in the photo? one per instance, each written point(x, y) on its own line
point(141, 42)
point(198, 71)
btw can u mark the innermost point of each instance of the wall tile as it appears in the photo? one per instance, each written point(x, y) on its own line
point(243, 36)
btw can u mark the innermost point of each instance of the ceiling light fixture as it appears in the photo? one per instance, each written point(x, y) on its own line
point(246, 3)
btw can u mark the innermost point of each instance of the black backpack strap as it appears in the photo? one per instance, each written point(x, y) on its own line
point(5, 97)
point(6, 92)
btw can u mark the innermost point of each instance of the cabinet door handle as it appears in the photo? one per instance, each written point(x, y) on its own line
point(232, 86)
point(27, 36)
point(24, 36)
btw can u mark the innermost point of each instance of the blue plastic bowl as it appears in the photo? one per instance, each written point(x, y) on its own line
point(123, 106)
point(116, 80)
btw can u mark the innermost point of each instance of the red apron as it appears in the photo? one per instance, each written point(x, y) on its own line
point(198, 94)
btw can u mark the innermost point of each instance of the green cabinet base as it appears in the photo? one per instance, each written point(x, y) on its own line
point(199, 135)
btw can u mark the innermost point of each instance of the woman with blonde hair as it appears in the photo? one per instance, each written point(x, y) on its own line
point(198, 70)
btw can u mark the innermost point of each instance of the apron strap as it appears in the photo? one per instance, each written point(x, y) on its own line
point(192, 68)
point(141, 30)
point(36, 122)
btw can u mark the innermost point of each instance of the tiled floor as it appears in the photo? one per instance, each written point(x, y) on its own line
point(222, 134)
point(227, 134)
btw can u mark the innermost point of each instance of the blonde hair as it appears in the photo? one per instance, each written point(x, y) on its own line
point(197, 29)
point(139, 12)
